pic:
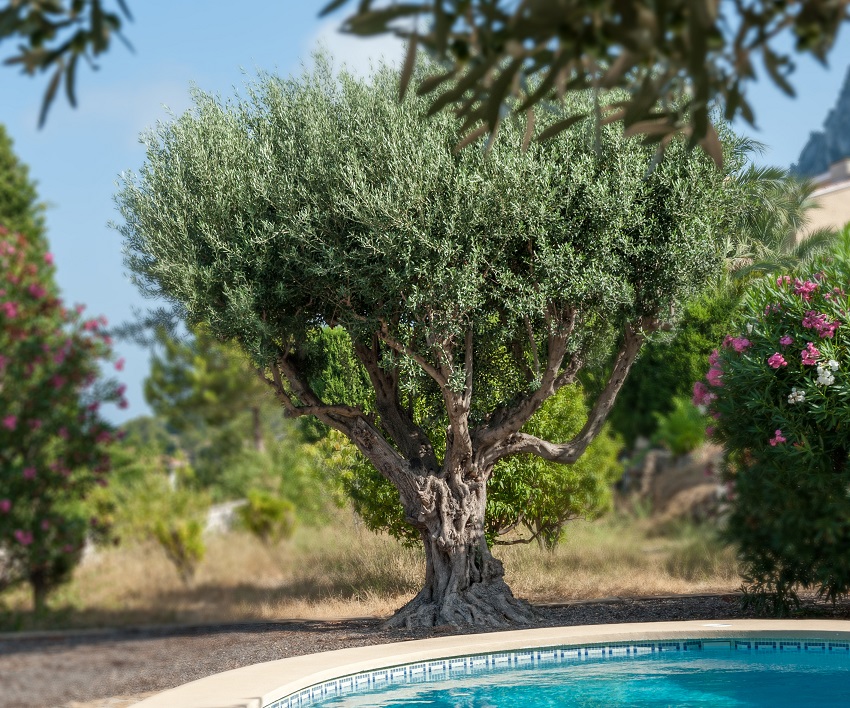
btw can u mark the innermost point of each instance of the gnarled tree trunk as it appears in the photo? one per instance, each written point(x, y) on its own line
point(464, 583)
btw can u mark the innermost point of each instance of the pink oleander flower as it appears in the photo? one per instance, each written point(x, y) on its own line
point(740, 344)
point(805, 289)
point(776, 361)
point(104, 436)
point(783, 280)
point(786, 340)
point(702, 395)
point(714, 376)
point(79, 309)
point(123, 403)
point(119, 365)
point(828, 329)
point(90, 325)
point(10, 309)
point(58, 381)
point(93, 407)
point(714, 357)
point(48, 258)
point(29, 472)
point(25, 538)
point(777, 438)
point(709, 431)
point(5, 506)
point(813, 320)
point(37, 291)
point(10, 422)
point(810, 355)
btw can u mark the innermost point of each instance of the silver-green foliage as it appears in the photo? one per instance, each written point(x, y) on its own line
point(323, 199)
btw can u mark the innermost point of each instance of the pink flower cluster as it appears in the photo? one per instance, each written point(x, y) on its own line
point(739, 344)
point(820, 323)
point(776, 361)
point(702, 395)
point(25, 538)
point(786, 340)
point(777, 438)
point(810, 355)
point(805, 289)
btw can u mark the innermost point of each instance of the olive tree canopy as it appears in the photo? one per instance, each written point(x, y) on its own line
point(472, 287)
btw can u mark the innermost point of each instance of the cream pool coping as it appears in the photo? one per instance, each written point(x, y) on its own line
point(260, 684)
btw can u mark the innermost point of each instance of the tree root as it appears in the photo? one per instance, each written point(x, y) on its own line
point(488, 605)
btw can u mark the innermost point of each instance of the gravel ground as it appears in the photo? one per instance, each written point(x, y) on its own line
point(115, 669)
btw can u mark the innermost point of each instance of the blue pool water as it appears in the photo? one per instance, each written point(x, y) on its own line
point(696, 678)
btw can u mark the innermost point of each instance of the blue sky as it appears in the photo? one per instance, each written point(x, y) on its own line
point(77, 157)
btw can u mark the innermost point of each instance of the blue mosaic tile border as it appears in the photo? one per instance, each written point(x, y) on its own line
point(464, 665)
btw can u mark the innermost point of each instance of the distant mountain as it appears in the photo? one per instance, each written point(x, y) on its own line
point(831, 144)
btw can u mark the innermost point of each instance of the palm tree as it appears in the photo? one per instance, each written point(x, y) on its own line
point(770, 235)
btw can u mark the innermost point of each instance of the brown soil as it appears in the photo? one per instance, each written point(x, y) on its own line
point(114, 669)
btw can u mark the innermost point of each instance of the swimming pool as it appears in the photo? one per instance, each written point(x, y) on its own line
point(735, 672)
point(639, 654)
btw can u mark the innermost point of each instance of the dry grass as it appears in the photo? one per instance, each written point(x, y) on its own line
point(343, 570)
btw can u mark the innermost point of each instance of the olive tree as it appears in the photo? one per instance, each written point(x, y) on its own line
point(473, 287)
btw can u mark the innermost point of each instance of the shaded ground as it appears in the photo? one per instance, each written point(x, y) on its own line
point(115, 669)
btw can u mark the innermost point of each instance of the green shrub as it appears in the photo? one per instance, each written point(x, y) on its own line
point(682, 430)
point(269, 518)
point(780, 391)
point(183, 543)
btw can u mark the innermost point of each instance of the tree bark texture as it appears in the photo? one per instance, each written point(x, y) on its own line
point(464, 583)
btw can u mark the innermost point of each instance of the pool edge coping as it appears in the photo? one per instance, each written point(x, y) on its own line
point(257, 685)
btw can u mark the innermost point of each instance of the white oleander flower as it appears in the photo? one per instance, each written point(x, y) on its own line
point(832, 364)
point(796, 396)
point(825, 377)
point(750, 328)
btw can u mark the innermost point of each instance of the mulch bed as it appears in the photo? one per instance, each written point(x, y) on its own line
point(91, 669)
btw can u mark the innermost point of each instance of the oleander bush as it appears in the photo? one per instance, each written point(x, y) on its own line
point(779, 389)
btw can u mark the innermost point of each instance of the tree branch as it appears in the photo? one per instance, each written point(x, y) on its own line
point(428, 368)
point(404, 432)
point(510, 420)
point(569, 452)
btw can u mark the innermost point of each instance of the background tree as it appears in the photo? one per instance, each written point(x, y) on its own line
point(490, 51)
point(199, 382)
point(53, 442)
point(20, 210)
point(325, 202)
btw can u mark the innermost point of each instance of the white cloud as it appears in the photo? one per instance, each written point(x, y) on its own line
point(357, 53)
